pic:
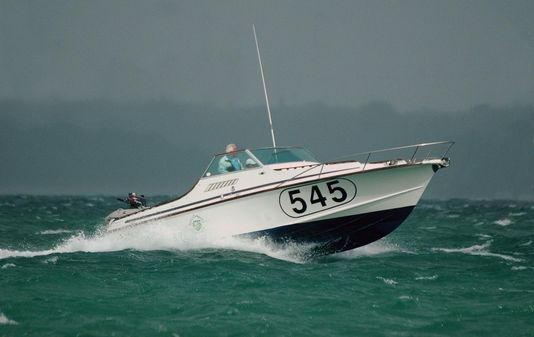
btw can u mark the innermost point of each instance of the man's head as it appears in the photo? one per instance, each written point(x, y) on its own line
point(230, 148)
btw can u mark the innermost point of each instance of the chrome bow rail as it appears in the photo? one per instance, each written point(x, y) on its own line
point(409, 153)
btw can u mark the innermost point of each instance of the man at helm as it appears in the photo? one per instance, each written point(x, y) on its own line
point(230, 162)
point(135, 201)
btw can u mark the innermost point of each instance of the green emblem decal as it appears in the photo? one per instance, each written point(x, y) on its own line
point(196, 222)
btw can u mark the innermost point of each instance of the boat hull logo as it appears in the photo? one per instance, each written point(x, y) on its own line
point(196, 222)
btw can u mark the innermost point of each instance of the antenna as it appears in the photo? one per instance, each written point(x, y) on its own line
point(264, 86)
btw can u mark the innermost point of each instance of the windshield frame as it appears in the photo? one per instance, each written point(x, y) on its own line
point(211, 170)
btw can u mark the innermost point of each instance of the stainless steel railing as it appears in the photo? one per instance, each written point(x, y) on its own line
point(410, 153)
point(435, 147)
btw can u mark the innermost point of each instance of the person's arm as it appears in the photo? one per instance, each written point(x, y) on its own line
point(236, 164)
point(225, 165)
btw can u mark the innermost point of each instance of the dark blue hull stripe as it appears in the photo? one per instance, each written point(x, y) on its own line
point(338, 234)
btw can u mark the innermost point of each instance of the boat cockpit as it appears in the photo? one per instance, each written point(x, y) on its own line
point(256, 158)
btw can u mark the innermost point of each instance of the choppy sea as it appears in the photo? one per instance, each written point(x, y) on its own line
point(454, 268)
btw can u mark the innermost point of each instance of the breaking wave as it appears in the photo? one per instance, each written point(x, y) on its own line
point(387, 281)
point(503, 222)
point(5, 320)
point(56, 231)
point(479, 250)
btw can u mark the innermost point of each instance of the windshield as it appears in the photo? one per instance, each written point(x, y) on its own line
point(283, 155)
point(231, 162)
point(249, 159)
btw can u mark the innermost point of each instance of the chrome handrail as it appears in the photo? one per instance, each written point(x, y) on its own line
point(416, 146)
point(369, 154)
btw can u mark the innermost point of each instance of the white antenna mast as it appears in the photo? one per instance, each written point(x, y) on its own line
point(264, 86)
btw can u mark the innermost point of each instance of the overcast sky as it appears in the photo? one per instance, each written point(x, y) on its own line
point(443, 55)
point(89, 88)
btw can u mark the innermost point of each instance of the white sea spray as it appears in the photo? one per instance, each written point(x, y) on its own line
point(387, 280)
point(503, 222)
point(162, 237)
point(8, 265)
point(5, 320)
point(56, 231)
point(478, 250)
point(430, 278)
point(408, 298)
point(52, 260)
point(518, 214)
point(376, 248)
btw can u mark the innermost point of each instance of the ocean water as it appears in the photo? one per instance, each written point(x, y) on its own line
point(454, 268)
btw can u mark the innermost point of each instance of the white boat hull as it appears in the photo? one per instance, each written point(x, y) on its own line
point(337, 209)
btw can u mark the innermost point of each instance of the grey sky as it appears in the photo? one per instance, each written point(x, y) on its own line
point(90, 89)
point(444, 55)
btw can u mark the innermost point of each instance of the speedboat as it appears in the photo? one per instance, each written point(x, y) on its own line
point(284, 194)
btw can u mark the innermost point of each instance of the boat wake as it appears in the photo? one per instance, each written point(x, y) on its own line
point(161, 237)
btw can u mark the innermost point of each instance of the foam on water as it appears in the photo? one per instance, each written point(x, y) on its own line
point(52, 260)
point(5, 320)
point(165, 237)
point(388, 281)
point(161, 237)
point(503, 222)
point(430, 278)
point(55, 231)
point(480, 250)
point(376, 248)
point(518, 214)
